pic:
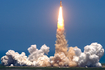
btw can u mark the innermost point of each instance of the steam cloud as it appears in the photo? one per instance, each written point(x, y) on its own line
point(64, 56)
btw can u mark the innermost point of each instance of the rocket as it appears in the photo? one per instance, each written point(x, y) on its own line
point(60, 23)
point(60, 3)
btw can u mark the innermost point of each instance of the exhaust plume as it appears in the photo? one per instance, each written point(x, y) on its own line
point(62, 57)
point(61, 43)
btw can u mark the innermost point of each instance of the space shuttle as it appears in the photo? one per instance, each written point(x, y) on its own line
point(60, 3)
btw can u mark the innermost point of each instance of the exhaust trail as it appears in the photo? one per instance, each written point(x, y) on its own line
point(62, 57)
point(61, 42)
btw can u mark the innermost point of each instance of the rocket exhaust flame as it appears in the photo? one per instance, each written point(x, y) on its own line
point(63, 57)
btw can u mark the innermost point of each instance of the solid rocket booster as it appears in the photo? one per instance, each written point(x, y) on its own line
point(60, 3)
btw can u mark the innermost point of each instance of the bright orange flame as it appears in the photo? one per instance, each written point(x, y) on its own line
point(60, 24)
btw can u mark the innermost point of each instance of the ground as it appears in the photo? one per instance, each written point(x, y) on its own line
point(52, 68)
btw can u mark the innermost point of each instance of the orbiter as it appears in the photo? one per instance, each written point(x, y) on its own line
point(60, 3)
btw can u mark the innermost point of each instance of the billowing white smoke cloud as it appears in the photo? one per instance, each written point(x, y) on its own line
point(36, 57)
point(15, 58)
point(90, 57)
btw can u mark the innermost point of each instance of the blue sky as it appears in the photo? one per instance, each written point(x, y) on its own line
point(27, 22)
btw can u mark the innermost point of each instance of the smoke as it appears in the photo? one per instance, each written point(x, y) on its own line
point(36, 57)
point(64, 56)
point(61, 43)
point(90, 57)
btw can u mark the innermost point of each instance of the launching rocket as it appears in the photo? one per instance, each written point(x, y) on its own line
point(60, 23)
point(60, 3)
